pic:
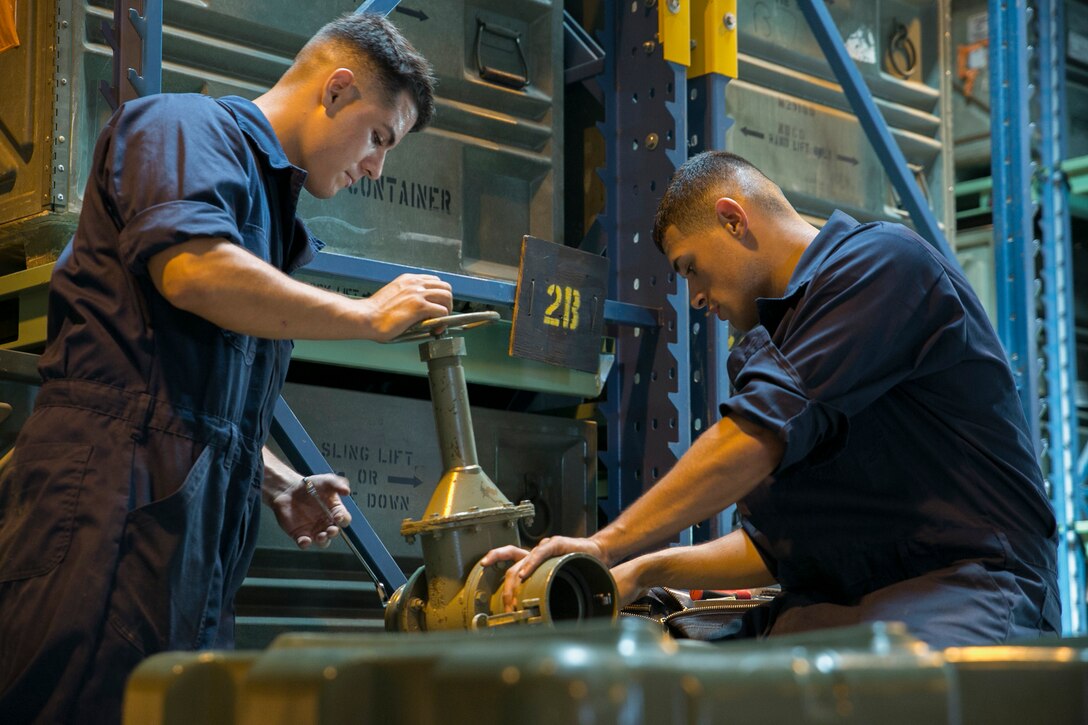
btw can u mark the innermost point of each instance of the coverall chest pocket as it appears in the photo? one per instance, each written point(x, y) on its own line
point(39, 494)
point(246, 345)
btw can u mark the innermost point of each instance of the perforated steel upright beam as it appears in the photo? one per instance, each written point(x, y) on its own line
point(136, 39)
point(1060, 352)
point(644, 135)
point(1014, 255)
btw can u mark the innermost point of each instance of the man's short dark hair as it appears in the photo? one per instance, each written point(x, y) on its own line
point(367, 41)
point(706, 177)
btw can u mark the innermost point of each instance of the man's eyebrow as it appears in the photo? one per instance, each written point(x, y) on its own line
point(676, 265)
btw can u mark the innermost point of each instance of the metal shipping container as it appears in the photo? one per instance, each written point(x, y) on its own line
point(457, 197)
point(387, 448)
point(794, 123)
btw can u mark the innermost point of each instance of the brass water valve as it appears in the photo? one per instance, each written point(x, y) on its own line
point(469, 516)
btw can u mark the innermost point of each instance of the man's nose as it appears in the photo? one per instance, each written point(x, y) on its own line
point(698, 300)
point(372, 164)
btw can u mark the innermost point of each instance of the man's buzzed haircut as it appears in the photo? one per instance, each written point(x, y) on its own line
point(366, 42)
point(708, 176)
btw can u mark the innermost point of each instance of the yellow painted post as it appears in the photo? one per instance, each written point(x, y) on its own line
point(674, 30)
point(714, 30)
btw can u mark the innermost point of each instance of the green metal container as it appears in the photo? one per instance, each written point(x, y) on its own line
point(1046, 682)
point(793, 121)
point(628, 673)
point(457, 197)
point(182, 688)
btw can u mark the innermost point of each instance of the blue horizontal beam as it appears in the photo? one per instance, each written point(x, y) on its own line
point(465, 287)
point(378, 7)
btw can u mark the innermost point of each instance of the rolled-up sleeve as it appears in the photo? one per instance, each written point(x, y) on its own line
point(771, 394)
point(866, 321)
point(175, 178)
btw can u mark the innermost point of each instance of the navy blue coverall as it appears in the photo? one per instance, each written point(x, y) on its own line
point(909, 488)
point(128, 513)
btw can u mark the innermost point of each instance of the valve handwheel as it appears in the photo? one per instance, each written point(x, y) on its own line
point(439, 326)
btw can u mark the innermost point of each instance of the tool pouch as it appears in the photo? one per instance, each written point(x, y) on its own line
point(740, 615)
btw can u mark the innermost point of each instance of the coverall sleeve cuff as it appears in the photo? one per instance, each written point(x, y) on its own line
point(159, 227)
point(771, 395)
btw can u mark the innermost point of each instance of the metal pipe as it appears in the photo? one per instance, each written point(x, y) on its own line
point(449, 396)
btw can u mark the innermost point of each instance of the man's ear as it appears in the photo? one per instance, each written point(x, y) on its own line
point(731, 216)
point(338, 90)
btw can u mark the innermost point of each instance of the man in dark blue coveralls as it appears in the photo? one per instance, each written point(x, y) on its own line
point(128, 512)
point(875, 444)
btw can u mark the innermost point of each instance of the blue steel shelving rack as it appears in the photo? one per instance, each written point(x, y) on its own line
point(646, 407)
point(1027, 89)
point(1030, 270)
point(664, 370)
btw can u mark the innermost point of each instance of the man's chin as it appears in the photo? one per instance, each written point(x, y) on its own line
point(326, 193)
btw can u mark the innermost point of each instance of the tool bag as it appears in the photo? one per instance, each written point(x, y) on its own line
point(737, 615)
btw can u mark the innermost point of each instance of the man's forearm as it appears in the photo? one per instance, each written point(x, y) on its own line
point(233, 289)
point(720, 468)
point(278, 476)
point(226, 285)
point(730, 562)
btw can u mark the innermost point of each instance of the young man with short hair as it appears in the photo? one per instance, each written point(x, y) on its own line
point(128, 512)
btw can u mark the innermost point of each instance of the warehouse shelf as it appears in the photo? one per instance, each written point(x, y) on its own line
point(974, 196)
point(490, 363)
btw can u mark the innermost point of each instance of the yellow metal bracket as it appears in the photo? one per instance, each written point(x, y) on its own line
point(714, 30)
point(674, 30)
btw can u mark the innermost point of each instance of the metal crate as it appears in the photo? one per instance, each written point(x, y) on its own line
point(387, 448)
point(793, 122)
point(457, 197)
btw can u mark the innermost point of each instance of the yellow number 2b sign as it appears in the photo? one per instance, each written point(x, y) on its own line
point(567, 298)
point(559, 307)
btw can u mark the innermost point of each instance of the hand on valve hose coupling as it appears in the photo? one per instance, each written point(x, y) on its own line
point(408, 299)
point(526, 562)
point(310, 511)
point(629, 586)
